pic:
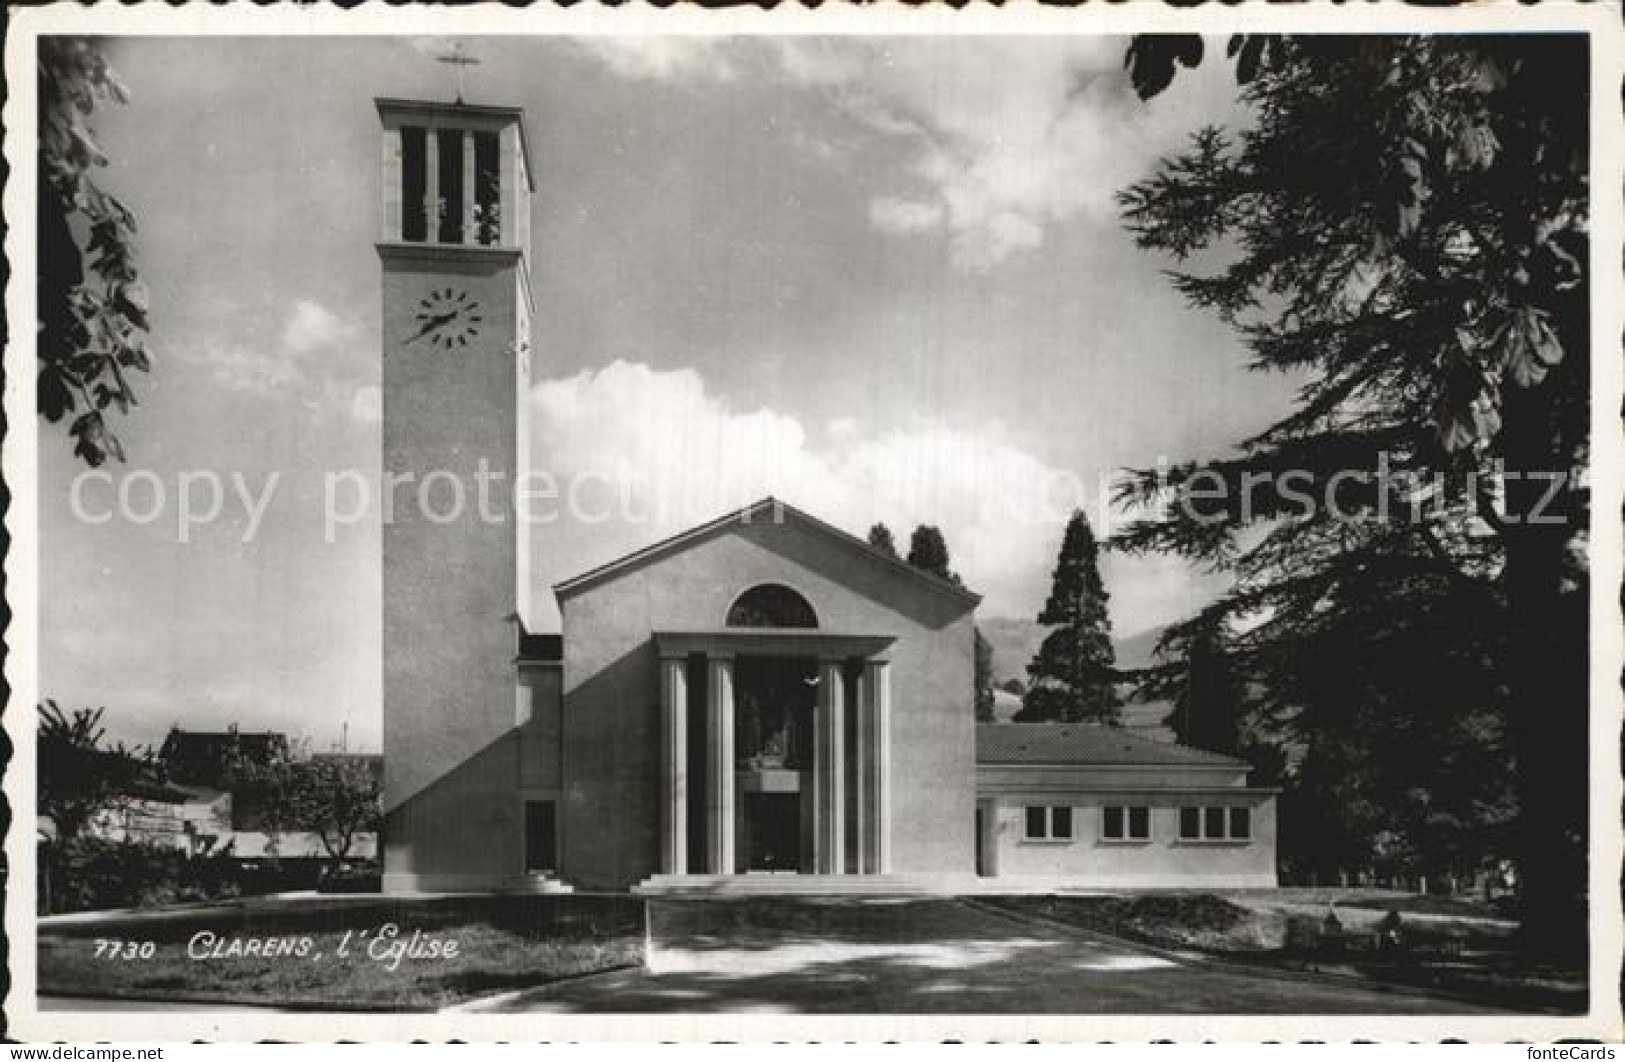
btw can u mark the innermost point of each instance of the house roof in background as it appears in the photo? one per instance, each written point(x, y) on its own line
point(212, 743)
point(200, 757)
point(1087, 745)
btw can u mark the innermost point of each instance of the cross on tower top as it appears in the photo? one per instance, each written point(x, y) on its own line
point(460, 62)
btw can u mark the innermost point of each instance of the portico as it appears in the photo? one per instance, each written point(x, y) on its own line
point(762, 702)
point(710, 782)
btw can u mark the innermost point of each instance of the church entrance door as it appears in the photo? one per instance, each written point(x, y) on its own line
point(773, 832)
point(775, 698)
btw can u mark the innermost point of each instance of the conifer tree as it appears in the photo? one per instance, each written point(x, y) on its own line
point(1074, 674)
point(928, 551)
point(1210, 698)
point(1410, 217)
point(983, 681)
point(880, 538)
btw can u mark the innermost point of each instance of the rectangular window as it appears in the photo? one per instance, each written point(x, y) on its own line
point(451, 185)
point(414, 162)
point(1126, 823)
point(1048, 823)
point(1215, 823)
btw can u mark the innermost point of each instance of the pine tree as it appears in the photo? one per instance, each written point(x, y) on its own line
point(880, 538)
point(1210, 699)
point(1074, 674)
point(983, 679)
point(928, 551)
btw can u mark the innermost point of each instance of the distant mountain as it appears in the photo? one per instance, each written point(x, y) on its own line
point(1137, 649)
point(1015, 642)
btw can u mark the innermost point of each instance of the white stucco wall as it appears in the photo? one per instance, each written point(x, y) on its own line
point(611, 726)
point(1165, 860)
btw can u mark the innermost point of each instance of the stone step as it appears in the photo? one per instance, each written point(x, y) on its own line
point(804, 884)
point(542, 883)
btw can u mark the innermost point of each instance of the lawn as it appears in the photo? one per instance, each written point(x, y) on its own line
point(363, 954)
point(1456, 946)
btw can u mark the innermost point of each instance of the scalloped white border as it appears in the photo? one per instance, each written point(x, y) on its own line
point(19, 456)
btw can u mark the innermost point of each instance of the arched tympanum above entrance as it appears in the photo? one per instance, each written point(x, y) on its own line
point(771, 605)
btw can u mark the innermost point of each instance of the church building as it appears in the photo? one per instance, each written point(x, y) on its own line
point(761, 702)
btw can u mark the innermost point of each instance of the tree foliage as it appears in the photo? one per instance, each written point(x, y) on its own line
point(928, 551)
point(983, 680)
point(92, 325)
point(1210, 696)
point(80, 775)
point(880, 538)
point(336, 797)
point(1404, 229)
point(1074, 676)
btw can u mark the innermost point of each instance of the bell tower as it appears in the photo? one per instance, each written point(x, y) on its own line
point(454, 249)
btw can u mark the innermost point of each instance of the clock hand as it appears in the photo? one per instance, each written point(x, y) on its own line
point(431, 324)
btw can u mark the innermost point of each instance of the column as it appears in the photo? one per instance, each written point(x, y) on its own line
point(431, 184)
point(674, 765)
point(829, 769)
point(470, 230)
point(875, 742)
point(393, 164)
point(861, 797)
point(719, 764)
point(508, 186)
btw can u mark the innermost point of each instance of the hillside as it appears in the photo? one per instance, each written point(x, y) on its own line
point(1015, 641)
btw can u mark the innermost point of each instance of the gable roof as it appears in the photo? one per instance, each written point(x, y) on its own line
point(1087, 745)
point(782, 512)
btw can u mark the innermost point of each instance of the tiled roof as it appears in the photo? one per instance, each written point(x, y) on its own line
point(1074, 743)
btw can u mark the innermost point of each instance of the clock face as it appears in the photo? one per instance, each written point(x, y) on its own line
point(447, 318)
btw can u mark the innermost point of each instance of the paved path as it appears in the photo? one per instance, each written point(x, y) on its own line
point(925, 956)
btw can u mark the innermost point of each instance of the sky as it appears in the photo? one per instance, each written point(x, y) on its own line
point(881, 278)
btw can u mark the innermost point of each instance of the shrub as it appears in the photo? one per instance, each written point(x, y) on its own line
point(90, 873)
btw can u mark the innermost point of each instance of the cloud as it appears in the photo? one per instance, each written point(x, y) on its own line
point(312, 327)
point(904, 215)
point(366, 405)
point(307, 358)
point(639, 454)
point(661, 58)
point(239, 367)
point(1002, 138)
point(1010, 137)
